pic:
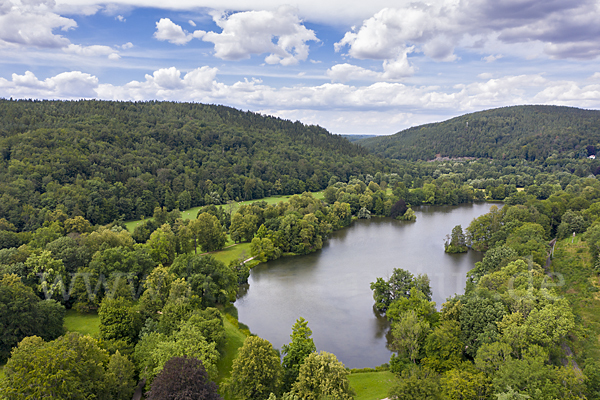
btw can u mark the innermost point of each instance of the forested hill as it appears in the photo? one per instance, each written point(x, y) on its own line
point(529, 132)
point(109, 160)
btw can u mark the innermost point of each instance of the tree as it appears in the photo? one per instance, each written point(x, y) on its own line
point(119, 319)
point(120, 377)
point(162, 245)
point(154, 350)
point(481, 229)
point(210, 279)
point(9, 239)
point(416, 302)
point(70, 252)
point(256, 372)
point(398, 209)
point(183, 378)
point(478, 317)
point(23, 314)
point(533, 377)
point(399, 285)
point(417, 384)
point(50, 273)
point(208, 233)
point(363, 213)
point(185, 200)
point(330, 194)
point(263, 249)
point(322, 376)
point(529, 240)
point(296, 352)
point(465, 383)
point(408, 334)
point(409, 215)
point(157, 290)
point(77, 224)
point(494, 259)
point(456, 243)
point(243, 226)
point(443, 348)
point(592, 378)
point(70, 367)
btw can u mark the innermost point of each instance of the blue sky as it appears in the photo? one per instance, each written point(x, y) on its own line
point(352, 67)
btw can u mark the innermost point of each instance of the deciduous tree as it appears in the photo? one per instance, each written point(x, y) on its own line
point(256, 372)
point(322, 376)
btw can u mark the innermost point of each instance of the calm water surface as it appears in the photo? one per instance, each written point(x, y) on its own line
point(330, 288)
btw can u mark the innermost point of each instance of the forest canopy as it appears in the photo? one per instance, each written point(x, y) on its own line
point(106, 160)
point(528, 132)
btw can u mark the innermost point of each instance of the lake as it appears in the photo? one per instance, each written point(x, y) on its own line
point(330, 288)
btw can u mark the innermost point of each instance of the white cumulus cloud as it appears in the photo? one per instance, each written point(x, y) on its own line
point(173, 33)
point(279, 33)
point(33, 24)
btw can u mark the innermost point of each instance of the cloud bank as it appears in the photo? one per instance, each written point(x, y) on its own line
point(440, 28)
point(384, 101)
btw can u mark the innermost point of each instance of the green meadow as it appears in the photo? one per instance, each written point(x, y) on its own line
point(86, 324)
point(371, 385)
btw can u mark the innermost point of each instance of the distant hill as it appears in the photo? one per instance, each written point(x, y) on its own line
point(354, 138)
point(107, 160)
point(529, 132)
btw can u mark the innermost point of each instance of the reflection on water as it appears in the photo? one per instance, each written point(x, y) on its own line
point(330, 288)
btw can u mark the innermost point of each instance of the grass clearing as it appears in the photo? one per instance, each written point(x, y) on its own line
point(241, 250)
point(191, 213)
point(235, 340)
point(371, 385)
point(86, 324)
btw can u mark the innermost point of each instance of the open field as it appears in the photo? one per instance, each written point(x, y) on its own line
point(228, 254)
point(86, 324)
point(371, 385)
point(191, 213)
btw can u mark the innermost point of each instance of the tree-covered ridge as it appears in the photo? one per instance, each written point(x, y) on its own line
point(528, 132)
point(110, 160)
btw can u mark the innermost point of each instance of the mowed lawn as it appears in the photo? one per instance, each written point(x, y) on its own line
point(235, 340)
point(371, 385)
point(86, 324)
point(233, 252)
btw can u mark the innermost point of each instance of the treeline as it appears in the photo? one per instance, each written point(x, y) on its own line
point(527, 132)
point(512, 334)
point(107, 161)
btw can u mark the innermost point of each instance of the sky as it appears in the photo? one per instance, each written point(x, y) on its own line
point(352, 67)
